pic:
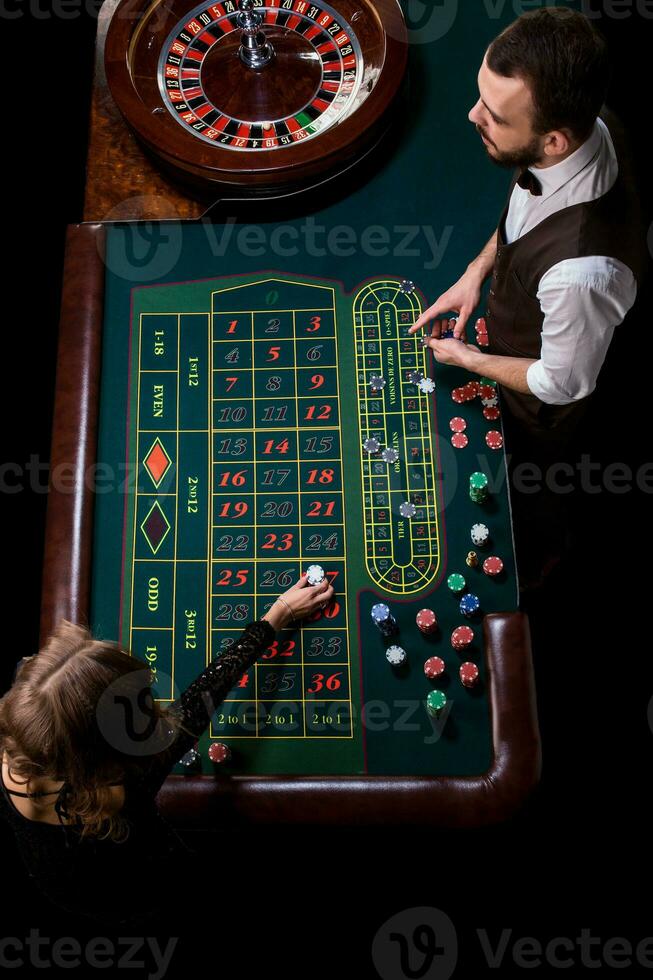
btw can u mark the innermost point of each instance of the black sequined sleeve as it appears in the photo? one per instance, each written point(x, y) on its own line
point(193, 709)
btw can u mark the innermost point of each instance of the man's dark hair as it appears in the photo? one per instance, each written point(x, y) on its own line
point(564, 62)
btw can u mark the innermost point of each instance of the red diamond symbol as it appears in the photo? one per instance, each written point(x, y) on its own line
point(157, 462)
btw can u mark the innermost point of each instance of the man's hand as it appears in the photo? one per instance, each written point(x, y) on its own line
point(463, 298)
point(454, 352)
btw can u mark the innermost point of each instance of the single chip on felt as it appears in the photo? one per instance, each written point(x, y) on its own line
point(493, 565)
point(389, 455)
point(407, 286)
point(462, 637)
point(426, 385)
point(396, 655)
point(468, 673)
point(190, 758)
point(377, 382)
point(415, 377)
point(371, 445)
point(457, 424)
point(458, 396)
point(315, 574)
point(434, 667)
point(459, 440)
point(494, 439)
point(491, 412)
point(407, 509)
point(219, 753)
point(456, 582)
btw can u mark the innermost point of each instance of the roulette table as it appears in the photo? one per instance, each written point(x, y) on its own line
point(239, 398)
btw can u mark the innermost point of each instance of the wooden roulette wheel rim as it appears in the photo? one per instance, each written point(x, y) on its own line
point(149, 45)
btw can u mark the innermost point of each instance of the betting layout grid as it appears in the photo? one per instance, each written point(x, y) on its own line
point(268, 427)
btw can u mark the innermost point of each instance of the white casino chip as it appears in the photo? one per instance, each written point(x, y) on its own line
point(315, 574)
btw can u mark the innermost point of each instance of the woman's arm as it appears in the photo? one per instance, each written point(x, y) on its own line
point(193, 710)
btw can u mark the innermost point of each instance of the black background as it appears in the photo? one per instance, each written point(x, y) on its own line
point(579, 854)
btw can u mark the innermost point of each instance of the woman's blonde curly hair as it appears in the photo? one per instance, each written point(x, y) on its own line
point(49, 725)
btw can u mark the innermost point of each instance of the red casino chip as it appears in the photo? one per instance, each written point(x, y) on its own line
point(481, 325)
point(458, 396)
point(491, 413)
point(461, 637)
point(493, 565)
point(494, 439)
point(474, 386)
point(487, 391)
point(459, 440)
point(457, 424)
point(434, 667)
point(427, 621)
point(469, 392)
point(468, 674)
point(219, 752)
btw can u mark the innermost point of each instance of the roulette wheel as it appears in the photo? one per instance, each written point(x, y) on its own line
point(259, 97)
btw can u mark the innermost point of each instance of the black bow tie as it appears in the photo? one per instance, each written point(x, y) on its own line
point(529, 182)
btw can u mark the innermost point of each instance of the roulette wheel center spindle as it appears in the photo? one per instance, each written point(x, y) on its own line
point(254, 51)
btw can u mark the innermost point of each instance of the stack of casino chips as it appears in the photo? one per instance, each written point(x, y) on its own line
point(383, 619)
point(427, 622)
point(478, 487)
point(435, 702)
point(480, 535)
point(469, 604)
point(493, 566)
point(482, 338)
point(462, 637)
point(468, 673)
point(434, 667)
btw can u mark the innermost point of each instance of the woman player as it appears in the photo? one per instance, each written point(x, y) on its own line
point(85, 749)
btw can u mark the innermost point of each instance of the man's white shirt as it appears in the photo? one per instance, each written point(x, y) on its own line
point(582, 299)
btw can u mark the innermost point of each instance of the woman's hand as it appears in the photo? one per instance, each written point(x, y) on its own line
point(299, 601)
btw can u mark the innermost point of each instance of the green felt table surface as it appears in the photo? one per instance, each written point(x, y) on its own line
point(430, 205)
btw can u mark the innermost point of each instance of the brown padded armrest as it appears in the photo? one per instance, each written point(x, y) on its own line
point(205, 802)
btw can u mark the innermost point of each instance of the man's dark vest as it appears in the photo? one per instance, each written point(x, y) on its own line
point(609, 225)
